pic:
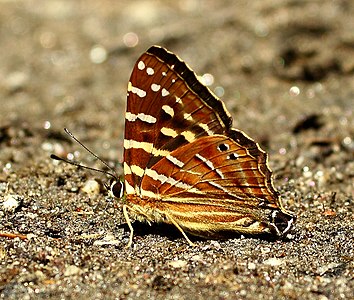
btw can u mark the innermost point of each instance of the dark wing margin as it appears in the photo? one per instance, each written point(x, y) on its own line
point(183, 70)
point(256, 151)
point(186, 73)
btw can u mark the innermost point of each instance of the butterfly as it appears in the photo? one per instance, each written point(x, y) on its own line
point(185, 165)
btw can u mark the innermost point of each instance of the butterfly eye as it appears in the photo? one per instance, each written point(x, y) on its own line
point(232, 156)
point(117, 189)
point(223, 147)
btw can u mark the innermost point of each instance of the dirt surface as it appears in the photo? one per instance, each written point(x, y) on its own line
point(285, 70)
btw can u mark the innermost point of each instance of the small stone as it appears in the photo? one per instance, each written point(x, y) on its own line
point(273, 261)
point(72, 270)
point(177, 264)
point(3, 253)
point(109, 239)
point(31, 236)
point(91, 187)
point(16, 81)
point(196, 257)
point(11, 202)
point(330, 267)
point(216, 244)
point(265, 250)
point(40, 275)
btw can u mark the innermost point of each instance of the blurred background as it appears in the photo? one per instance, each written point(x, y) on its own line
point(285, 70)
point(274, 63)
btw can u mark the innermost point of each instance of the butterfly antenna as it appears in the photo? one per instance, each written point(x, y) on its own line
point(113, 174)
point(74, 163)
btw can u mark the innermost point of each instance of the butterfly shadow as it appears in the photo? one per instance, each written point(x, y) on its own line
point(169, 231)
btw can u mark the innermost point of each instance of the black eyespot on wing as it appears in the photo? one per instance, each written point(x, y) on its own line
point(232, 156)
point(223, 147)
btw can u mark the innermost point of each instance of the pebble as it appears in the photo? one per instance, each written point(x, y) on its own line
point(91, 187)
point(16, 80)
point(11, 202)
point(109, 239)
point(177, 264)
point(273, 261)
point(72, 270)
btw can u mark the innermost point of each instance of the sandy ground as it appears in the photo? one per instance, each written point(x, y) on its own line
point(285, 70)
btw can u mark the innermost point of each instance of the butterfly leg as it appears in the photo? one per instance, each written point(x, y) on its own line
point(180, 229)
point(126, 216)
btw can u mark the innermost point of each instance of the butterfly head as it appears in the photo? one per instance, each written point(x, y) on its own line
point(116, 188)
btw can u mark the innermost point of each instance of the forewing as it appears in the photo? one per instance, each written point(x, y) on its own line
point(167, 108)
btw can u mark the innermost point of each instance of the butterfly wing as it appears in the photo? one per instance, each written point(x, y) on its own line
point(184, 161)
point(167, 107)
point(219, 186)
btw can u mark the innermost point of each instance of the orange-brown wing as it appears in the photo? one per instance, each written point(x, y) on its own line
point(215, 184)
point(210, 169)
point(167, 107)
point(182, 156)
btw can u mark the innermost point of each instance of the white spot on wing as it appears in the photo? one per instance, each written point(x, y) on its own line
point(206, 161)
point(164, 92)
point(175, 161)
point(224, 189)
point(150, 71)
point(141, 116)
point(188, 117)
point(160, 152)
point(168, 110)
point(135, 90)
point(128, 188)
point(178, 100)
point(217, 186)
point(189, 135)
point(164, 74)
point(191, 172)
point(126, 169)
point(210, 165)
point(164, 179)
point(131, 144)
point(206, 128)
point(139, 92)
point(137, 170)
point(220, 173)
point(129, 86)
point(148, 147)
point(169, 132)
point(141, 65)
point(155, 87)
